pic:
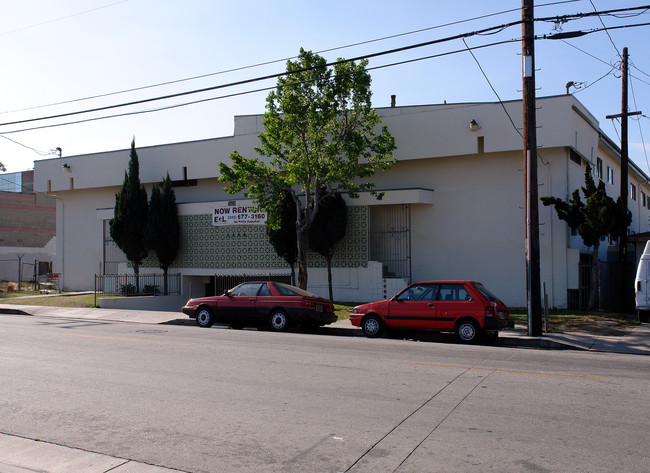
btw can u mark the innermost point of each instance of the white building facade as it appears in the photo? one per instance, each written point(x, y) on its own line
point(453, 205)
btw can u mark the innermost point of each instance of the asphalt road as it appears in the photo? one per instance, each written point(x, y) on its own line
point(218, 400)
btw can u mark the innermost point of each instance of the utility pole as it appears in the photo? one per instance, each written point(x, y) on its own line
point(533, 296)
point(622, 244)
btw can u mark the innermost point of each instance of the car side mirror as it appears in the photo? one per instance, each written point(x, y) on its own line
point(227, 293)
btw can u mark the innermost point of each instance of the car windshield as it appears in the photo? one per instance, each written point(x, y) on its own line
point(287, 290)
point(487, 294)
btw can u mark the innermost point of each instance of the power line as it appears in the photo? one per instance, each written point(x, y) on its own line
point(645, 151)
point(366, 56)
point(277, 75)
point(42, 153)
point(275, 61)
point(608, 35)
point(263, 78)
point(60, 18)
point(168, 107)
point(493, 89)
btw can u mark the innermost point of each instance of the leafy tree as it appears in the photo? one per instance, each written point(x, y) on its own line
point(128, 227)
point(283, 238)
point(328, 229)
point(599, 216)
point(163, 229)
point(321, 135)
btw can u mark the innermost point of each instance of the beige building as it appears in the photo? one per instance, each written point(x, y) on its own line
point(453, 208)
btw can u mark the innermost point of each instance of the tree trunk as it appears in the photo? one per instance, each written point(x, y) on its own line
point(136, 270)
point(329, 274)
point(593, 291)
point(301, 259)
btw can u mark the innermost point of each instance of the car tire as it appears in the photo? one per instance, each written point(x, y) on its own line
point(278, 321)
point(372, 326)
point(204, 317)
point(467, 331)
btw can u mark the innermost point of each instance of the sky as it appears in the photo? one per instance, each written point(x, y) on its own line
point(56, 55)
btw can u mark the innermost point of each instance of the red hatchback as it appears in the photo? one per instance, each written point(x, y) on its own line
point(261, 303)
point(464, 307)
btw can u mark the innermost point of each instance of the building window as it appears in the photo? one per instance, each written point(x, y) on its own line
point(633, 191)
point(599, 168)
point(610, 175)
point(643, 199)
point(575, 157)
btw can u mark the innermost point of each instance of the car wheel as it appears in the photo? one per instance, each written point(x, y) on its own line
point(278, 321)
point(204, 317)
point(467, 331)
point(372, 326)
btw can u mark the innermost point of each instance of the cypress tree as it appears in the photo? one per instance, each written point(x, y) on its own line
point(163, 231)
point(128, 226)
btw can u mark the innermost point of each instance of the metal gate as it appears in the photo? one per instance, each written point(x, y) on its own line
point(579, 298)
point(389, 239)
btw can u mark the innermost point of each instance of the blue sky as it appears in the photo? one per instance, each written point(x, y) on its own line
point(72, 49)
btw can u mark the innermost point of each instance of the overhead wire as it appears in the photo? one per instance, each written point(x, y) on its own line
point(275, 61)
point(4, 33)
point(645, 151)
point(261, 78)
point(277, 75)
point(41, 153)
point(235, 94)
point(606, 31)
point(493, 89)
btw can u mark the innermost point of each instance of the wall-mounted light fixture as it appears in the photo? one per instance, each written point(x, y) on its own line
point(66, 167)
point(473, 125)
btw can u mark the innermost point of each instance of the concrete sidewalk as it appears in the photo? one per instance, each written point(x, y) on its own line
point(636, 342)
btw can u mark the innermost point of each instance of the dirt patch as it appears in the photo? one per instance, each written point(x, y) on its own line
point(597, 327)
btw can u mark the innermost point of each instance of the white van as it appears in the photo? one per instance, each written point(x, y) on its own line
point(642, 285)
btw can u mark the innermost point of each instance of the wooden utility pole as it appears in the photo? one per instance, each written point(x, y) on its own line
point(622, 244)
point(533, 296)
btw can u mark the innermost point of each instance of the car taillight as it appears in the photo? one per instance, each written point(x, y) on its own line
point(490, 311)
point(307, 303)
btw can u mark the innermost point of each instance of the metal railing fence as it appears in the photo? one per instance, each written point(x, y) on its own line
point(136, 285)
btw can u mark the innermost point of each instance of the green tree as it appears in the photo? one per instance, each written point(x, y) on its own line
point(328, 229)
point(283, 237)
point(128, 227)
point(163, 229)
point(321, 135)
point(597, 217)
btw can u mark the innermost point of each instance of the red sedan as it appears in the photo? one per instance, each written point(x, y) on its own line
point(262, 303)
point(464, 307)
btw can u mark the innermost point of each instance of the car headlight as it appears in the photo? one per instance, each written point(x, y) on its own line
point(355, 311)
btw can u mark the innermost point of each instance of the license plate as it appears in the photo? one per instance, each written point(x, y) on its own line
point(319, 308)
